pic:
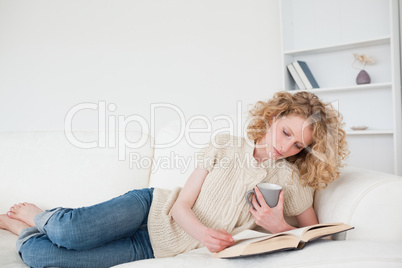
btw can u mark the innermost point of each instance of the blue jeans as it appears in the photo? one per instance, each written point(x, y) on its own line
point(102, 235)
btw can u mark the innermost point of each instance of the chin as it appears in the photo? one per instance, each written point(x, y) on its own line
point(279, 157)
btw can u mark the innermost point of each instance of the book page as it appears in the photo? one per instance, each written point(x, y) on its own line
point(305, 232)
point(297, 232)
point(250, 242)
point(276, 243)
point(250, 234)
point(260, 243)
point(321, 230)
point(241, 241)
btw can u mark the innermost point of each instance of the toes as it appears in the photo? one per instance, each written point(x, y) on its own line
point(16, 207)
point(11, 214)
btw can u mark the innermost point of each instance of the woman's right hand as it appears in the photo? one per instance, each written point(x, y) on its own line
point(217, 240)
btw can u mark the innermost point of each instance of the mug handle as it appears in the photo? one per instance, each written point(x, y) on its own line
point(247, 195)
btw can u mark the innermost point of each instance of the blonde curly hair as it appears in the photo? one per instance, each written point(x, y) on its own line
point(319, 163)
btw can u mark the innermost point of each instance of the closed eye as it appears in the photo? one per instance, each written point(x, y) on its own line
point(288, 133)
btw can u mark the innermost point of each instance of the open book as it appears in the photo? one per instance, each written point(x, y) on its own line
point(251, 242)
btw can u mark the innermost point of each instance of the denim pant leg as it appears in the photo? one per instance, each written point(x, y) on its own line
point(89, 227)
point(91, 232)
point(39, 251)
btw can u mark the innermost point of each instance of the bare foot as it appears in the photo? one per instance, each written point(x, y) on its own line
point(24, 212)
point(14, 226)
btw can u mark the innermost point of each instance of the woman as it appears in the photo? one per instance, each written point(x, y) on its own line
point(293, 140)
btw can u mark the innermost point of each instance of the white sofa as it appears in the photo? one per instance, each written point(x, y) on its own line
point(43, 167)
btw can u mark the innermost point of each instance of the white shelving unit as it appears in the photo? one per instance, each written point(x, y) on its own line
point(352, 88)
point(335, 47)
point(325, 34)
point(370, 132)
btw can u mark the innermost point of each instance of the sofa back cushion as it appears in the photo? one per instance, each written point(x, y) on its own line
point(178, 142)
point(45, 168)
point(368, 200)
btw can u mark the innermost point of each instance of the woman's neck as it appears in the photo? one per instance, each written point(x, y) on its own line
point(259, 153)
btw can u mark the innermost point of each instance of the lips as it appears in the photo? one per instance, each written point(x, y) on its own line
point(276, 152)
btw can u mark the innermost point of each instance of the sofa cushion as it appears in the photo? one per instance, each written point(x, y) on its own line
point(44, 168)
point(9, 257)
point(323, 253)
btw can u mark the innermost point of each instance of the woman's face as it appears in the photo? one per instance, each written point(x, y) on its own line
point(287, 136)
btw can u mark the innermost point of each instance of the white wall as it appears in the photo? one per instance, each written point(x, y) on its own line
point(202, 56)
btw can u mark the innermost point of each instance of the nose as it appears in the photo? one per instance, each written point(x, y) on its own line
point(286, 146)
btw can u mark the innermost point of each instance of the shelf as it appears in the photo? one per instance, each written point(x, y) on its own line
point(348, 88)
point(343, 46)
point(370, 132)
point(326, 43)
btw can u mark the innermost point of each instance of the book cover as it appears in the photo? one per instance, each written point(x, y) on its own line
point(295, 76)
point(305, 74)
point(251, 242)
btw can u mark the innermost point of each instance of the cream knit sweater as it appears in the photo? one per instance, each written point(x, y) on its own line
point(220, 204)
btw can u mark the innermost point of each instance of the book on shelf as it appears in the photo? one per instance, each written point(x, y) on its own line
point(250, 242)
point(295, 76)
point(305, 74)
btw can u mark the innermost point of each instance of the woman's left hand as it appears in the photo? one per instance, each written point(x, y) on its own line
point(271, 219)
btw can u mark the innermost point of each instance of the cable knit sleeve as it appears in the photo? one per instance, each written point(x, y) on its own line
point(209, 157)
point(298, 198)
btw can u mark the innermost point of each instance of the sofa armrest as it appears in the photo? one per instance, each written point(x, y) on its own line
point(368, 200)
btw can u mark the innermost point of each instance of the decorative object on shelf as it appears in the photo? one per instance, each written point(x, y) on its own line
point(305, 74)
point(362, 77)
point(359, 127)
